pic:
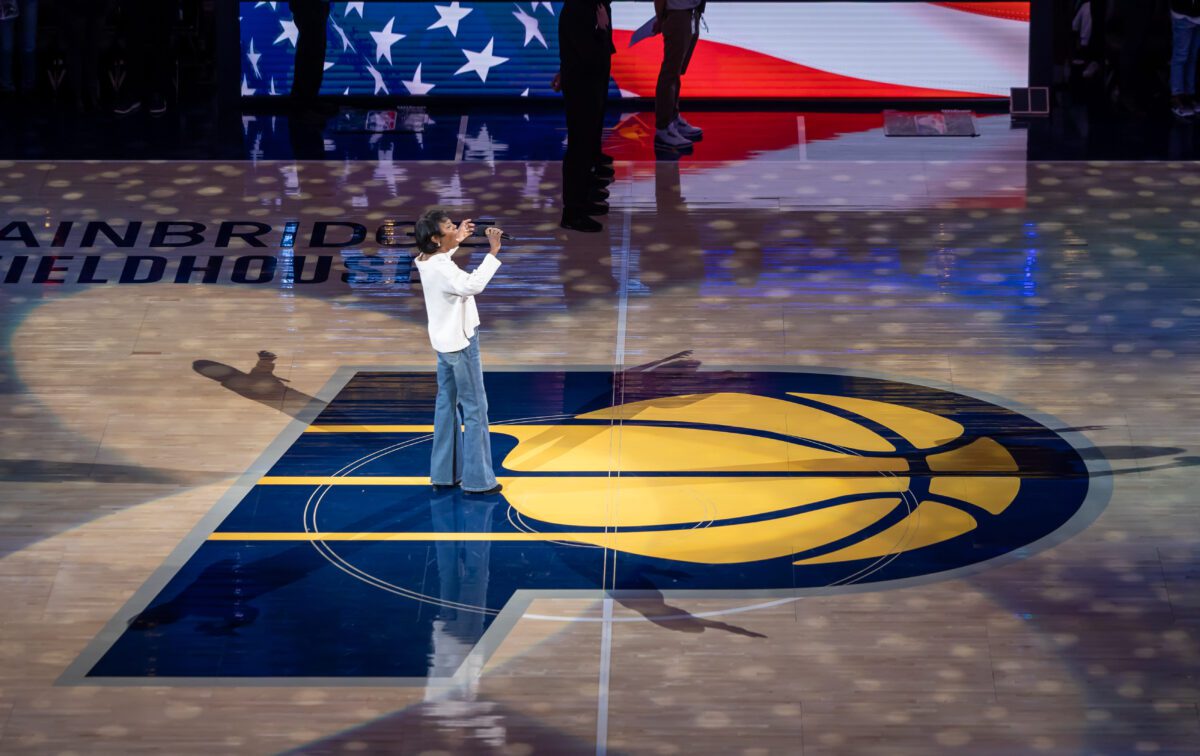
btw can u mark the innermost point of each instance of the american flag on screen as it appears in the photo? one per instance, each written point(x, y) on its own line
point(410, 48)
point(830, 49)
point(747, 50)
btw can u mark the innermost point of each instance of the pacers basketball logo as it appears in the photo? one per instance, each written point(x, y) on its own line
point(337, 560)
point(735, 477)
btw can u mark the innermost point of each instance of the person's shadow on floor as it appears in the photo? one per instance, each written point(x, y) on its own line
point(260, 384)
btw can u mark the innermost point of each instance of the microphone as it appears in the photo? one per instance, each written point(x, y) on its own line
point(503, 235)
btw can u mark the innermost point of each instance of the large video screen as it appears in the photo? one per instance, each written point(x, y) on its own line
point(890, 50)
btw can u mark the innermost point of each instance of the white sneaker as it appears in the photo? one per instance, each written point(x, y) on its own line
point(687, 130)
point(671, 138)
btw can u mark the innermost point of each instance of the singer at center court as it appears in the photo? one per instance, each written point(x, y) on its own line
point(460, 457)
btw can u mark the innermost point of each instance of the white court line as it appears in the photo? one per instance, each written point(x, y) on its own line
point(605, 666)
point(618, 369)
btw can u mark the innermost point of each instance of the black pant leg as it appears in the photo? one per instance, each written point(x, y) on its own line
point(146, 30)
point(579, 98)
point(600, 95)
point(160, 17)
point(311, 17)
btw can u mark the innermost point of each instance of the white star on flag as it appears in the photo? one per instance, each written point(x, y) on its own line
point(354, 7)
point(261, 4)
point(449, 16)
point(378, 80)
point(328, 65)
point(481, 62)
point(346, 43)
point(531, 28)
point(384, 40)
point(272, 90)
point(247, 90)
point(290, 32)
point(416, 86)
point(548, 7)
point(254, 58)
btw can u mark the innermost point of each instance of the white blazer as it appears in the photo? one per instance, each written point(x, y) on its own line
point(450, 298)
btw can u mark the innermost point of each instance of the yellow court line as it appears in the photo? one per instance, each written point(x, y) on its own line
point(231, 536)
point(369, 429)
point(301, 480)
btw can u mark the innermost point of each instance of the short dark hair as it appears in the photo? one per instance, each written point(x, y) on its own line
point(427, 228)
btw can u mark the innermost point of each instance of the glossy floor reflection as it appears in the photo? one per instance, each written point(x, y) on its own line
point(165, 446)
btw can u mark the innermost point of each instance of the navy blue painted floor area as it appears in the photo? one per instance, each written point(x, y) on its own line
point(252, 607)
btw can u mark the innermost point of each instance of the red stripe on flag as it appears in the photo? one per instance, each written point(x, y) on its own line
point(1009, 11)
point(724, 71)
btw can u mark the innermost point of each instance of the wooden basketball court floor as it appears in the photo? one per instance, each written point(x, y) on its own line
point(1046, 312)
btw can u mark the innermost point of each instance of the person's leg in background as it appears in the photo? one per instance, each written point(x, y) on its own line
point(685, 129)
point(27, 36)
point(1182, 38)
point(18, 49)
point(598, 172)
point(580, 101)
point(1189, 79)
point(311, 17)
point(158, 76)
point(676, 31)
point(81, 21)
point(128, 89)
point(601, 163)
point(8, 36)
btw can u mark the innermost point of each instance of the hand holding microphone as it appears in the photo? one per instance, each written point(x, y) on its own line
point(504, 236)
point(494, 235)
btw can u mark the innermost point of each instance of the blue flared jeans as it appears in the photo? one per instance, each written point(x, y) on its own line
point(461, 452)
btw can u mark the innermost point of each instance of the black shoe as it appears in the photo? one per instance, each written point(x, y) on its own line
point(494, 490)
point(596, 208)
point(599, 194)
point(603, 171)
point(604, 159)
point(581, 223)
point(125, 107)
point(158, 105)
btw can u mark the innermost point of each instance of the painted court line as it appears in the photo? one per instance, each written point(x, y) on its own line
point(605, 673)
point(228, 535)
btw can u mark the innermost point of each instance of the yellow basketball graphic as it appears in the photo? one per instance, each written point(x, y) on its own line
point(733, 477)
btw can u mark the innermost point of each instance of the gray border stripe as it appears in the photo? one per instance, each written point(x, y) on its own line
point(1100, 487)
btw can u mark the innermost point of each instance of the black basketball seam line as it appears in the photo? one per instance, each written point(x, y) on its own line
point(894, 517)
point(886, 559)
point(717, 428)
point(919, 459)
point(775, 514)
